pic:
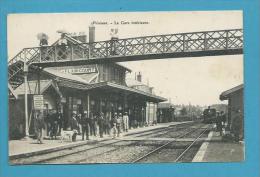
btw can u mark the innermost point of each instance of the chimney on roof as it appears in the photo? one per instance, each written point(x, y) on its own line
point(139, 77)
point(91, 34)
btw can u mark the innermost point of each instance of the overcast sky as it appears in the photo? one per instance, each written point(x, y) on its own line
point(184, 80)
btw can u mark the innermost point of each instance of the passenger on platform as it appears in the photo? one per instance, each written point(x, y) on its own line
point(60, 121)
point(54, 124)
point(135, 123)
point(74, 126)
point(118, 124)
point(219, 123)
point(38, 125)
point(96, 125)
point(101, 124)
point(78, 117)
point(107, 126)
point(48, 123)
point(236, 125)
point(114, 129)
point(126, 122)
point(85, 125)
point(223, 117)
point(92, 125)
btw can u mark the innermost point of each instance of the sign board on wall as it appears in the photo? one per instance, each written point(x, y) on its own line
point(86, 69)
point(38, 102)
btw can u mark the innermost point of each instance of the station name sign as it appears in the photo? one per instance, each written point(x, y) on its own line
point(79, 69)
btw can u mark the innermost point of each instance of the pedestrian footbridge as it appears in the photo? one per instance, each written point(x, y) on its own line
point(194, 44)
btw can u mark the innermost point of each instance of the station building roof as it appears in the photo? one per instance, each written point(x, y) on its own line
point(111, 86)
point(76, 82)
point(32, 87)
point(226, 94)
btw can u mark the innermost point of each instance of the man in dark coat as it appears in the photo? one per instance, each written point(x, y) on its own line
point(223, 117)
point(236, 125)
point(114, 130)
point(74, 126)
point(92, 125)
point(107, 124)
point(38, 125)
point(60, 121)
point(219, 123)
point(85, 125)
point(54, 124)
point(101, 124)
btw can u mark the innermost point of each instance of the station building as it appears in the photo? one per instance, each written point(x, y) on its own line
point(235, 97)
point(94, 88)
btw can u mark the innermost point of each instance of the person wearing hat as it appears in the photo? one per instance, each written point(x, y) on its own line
point(101, 124)
point(79, 117)
point(107, 125)
point(126, 122)
point(236, 125)
point(119, 124)
point(38, 125)
point(92, 125)
point(53, 124)
point(85, 125)
point(60, 121)
point(219, 124)
point(74, 125)
point(114, 129)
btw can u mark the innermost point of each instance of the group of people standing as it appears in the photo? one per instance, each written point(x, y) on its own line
point(92, 125)
point(52, 122)
point(235, 126)
point(85, 124)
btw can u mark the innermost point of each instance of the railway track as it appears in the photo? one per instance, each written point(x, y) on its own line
point(159, 130)
point(90, 151)
point(134, 143)
point(170, 142)
point(108, 148)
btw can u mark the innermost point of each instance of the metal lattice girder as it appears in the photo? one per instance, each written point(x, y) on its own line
point(159, 46)
point(141, 46)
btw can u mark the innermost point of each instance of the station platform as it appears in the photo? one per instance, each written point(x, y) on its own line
point(214, 149)
point(27, 147)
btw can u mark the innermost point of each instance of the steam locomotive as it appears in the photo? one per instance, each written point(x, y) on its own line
point(209, 115)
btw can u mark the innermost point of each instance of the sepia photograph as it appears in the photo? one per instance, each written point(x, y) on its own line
point(125, 87)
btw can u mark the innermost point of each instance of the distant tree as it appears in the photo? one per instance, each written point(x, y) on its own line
point(183, 111)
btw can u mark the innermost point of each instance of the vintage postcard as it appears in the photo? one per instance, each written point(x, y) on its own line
point(126, 87)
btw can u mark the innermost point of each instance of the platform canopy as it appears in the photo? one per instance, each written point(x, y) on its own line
point(226, 94)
